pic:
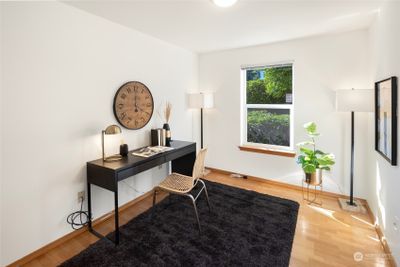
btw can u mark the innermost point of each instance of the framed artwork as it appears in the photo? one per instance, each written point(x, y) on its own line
point(386, 119)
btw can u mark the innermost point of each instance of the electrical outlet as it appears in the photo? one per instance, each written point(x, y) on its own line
point(81, 196)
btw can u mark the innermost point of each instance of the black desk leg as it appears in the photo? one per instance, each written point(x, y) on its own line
point(89, 195)
point(116, 216)
point(90, 225)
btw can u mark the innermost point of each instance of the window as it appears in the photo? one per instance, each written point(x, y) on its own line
point(267, 114)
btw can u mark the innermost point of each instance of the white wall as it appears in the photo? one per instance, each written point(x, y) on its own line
point(321, 65)
point(61, 69)
point(1, 129)
point(384, 182)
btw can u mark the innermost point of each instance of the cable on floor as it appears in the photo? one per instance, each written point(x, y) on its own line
point(78, 219)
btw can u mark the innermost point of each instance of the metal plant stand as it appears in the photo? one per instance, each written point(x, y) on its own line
point(311, 192)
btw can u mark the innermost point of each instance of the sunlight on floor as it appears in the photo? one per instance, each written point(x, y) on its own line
point(374, 238)
point(304, 226)
point(363, 221)
point(327, 213)
point(378, 195)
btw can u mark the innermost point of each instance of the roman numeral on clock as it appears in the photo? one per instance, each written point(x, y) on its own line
point(123, 115)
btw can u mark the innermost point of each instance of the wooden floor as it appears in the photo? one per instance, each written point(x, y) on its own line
point(325, 235)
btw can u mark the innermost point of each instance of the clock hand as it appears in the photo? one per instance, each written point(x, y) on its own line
point(136, 107)
point(143, 110)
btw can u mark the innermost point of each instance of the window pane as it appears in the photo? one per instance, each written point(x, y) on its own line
point(269, 85)
point(268, 126)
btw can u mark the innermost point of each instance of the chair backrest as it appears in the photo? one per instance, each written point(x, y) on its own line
point(198, 167)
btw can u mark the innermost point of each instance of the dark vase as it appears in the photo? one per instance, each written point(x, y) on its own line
point(168, 134)
point(123, 150)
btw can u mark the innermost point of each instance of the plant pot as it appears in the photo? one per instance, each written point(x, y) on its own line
point(314, 178)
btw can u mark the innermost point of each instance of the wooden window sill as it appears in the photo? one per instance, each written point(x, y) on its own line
point(277, 152)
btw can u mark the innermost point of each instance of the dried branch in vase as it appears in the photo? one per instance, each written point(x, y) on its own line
point(167, 111)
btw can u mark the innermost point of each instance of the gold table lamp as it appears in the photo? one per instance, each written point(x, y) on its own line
point(112, 129)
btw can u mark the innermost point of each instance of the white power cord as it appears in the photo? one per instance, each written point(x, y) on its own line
point(134, 189)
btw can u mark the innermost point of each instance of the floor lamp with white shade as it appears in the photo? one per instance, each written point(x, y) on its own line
point(354, 100)
point(202, 100)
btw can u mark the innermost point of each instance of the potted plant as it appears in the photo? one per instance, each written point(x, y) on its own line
point(312, 160)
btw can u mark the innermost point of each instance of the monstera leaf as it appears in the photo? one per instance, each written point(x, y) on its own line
point(311, 129)
point(326, 161)
point(305, 143)
point(306, 151)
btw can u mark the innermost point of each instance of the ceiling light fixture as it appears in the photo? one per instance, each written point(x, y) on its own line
point(224, 3)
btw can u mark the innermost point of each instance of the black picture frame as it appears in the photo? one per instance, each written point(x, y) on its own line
point(386, 121)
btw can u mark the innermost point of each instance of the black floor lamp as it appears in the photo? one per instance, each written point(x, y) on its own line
point(360, 100)
point(202, 100)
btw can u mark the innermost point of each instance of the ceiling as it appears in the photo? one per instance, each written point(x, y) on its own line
point(200, 26)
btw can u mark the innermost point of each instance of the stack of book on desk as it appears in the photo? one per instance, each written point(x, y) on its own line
point(150, 151)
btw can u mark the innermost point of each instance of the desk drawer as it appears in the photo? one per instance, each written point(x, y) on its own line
point(151, 163)
point(180, 153)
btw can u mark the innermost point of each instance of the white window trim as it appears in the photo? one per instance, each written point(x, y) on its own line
point(244, 107)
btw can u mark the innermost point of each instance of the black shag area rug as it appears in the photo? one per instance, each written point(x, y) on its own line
point(244, 228)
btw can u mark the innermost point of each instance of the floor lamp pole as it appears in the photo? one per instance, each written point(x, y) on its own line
point(201, 126)
point(351, 202)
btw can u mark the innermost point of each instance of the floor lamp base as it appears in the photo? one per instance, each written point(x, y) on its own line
point(358, 207)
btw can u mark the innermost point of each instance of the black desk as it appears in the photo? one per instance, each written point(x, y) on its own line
point(107, 174)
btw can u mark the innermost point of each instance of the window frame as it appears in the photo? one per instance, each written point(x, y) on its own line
point(245, 106)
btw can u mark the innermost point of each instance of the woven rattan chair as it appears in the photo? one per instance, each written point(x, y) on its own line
point(179, 184)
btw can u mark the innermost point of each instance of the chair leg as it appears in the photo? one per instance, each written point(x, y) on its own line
point(205, 190)
point(195, 210)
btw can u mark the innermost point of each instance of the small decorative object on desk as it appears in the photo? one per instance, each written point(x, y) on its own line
point(158, 137)
point(167, 134)
point(123, 149)
point(167, 116)
point(312, 160)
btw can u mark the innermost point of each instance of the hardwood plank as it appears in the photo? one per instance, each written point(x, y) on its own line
point(280, 184)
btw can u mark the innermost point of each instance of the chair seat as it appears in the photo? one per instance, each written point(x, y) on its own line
point(177, 183)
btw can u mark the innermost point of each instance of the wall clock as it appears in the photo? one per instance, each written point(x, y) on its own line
point(133, 105)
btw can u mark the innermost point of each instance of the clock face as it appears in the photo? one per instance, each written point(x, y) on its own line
point(133, 105)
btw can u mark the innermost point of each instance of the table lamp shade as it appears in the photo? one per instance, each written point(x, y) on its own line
point(112, 129)
point(358, 100)
point(201, 100)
